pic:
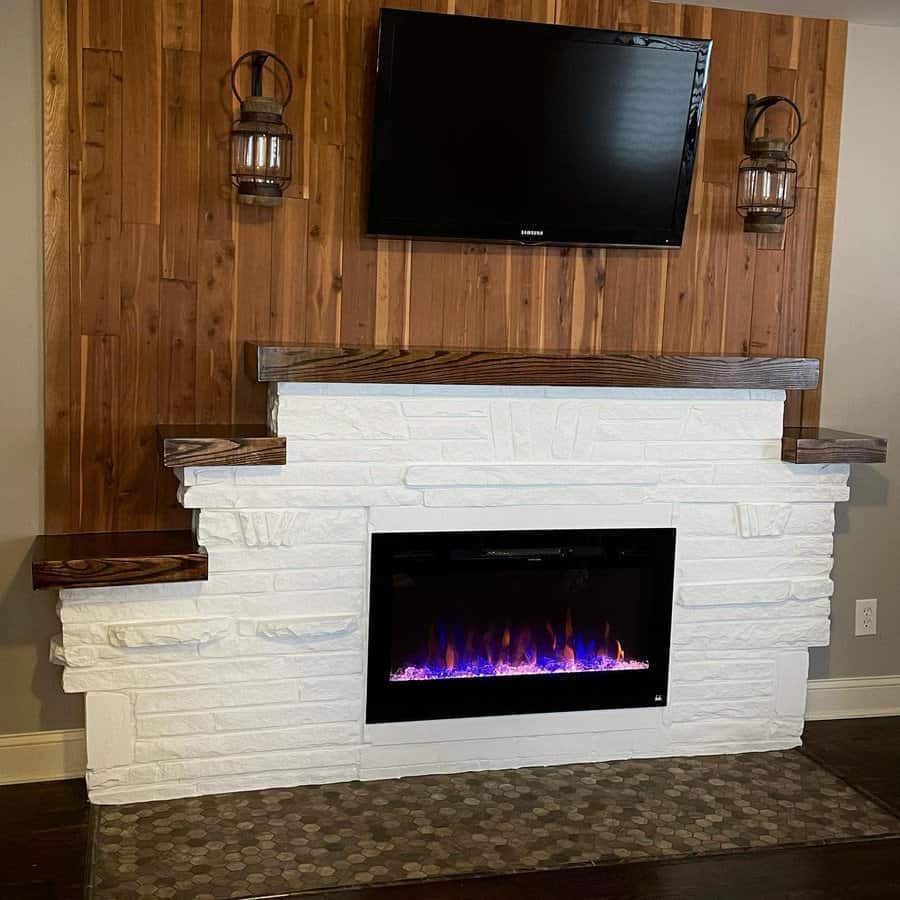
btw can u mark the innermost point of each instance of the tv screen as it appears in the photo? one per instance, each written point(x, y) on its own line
point(495, 130)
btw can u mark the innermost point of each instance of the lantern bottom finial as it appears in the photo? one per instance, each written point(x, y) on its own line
point(764, 223)
point(259, 193)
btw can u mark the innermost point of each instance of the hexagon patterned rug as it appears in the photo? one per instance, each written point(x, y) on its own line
point(312, 838)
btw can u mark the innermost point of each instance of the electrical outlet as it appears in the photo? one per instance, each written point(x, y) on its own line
point(866, 617)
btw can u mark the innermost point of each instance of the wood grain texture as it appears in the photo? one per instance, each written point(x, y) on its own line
point(57, 306)
point(827, 445)
point(142, 90)
point(823, 232)
point(116, 558)
point(180, 163)
point(220, 445)
point(137, 115)
point(101, 193)
point(138, 383)
point(430, 365)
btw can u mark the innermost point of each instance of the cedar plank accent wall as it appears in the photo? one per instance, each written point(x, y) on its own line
point(154, 277)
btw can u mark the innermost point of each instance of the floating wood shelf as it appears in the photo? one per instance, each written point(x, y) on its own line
point(420, 365)
point(116, 558)
point(826, 445)
point(220, 445)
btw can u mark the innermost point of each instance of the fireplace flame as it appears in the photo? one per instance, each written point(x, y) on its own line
point(511, 650)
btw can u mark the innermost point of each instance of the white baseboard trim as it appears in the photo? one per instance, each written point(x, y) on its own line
point(42, 756)
point(853, 698)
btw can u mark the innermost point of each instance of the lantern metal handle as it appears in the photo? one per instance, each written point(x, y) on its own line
point(262, 56)
point(757, 108)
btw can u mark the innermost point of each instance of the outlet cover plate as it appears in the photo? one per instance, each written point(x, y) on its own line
point(866, 617)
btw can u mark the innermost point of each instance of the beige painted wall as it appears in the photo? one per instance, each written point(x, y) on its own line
point(861, 384)
point(31, 698)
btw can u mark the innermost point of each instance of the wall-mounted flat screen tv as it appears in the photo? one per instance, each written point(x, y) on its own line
point(493, 130)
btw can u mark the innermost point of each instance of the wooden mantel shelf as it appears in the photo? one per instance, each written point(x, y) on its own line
point(220, 445)
point(116, 558)
point(827, 445)
point(428, 365)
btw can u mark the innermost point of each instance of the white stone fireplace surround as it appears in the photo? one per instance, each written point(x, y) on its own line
point(256, 678)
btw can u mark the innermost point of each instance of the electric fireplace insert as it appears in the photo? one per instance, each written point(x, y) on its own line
point(493, 623)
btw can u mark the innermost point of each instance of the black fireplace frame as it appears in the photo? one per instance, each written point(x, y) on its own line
point(406, 701)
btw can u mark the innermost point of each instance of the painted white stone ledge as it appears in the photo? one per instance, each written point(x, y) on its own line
point(255, 678)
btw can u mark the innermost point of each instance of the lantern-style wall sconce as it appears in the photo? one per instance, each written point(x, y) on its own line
point(260, 141)
point(767, 176)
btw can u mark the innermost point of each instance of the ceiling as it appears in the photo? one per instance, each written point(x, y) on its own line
point(870, 12)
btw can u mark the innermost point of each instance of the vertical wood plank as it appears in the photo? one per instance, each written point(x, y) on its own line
point(392, 292)
point(557, 300)
point(329, 67)
point(712, 268)
point(798, 249)
point(681, 285)
point(740, 276)
point(435, 277)
point(326, 177)
point(137, 380)
point(99, 416)
point(216, 201)
point(177, 351)
point(57, 322)
point(141, 104)
point(633, 15)
point(288, 304)
point(255, 31)
point(292, 45)
point(101, 199)
point(176, 385)
point(832, 104)
point(665, 18)
point(725, 102)
point(784, 42)
point(462, 321)
point(180, 164)
point(649, 300)
point(587, 294)
point(768, 292)
point(810, 97)
point(253, 279)
point(357, 324)
point(75, 35)
point(102, 23)
point(215, 374)
point(525, 285)
point(797, 269)
point(619, 300)
point(324, 272)
point(181, 24)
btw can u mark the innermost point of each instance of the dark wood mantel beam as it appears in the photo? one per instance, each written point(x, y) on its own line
point(116, 558)
point(428, 365)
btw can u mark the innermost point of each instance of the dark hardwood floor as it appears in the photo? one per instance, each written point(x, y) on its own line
point(865, 752)
point(45, 835)
point(857, 871)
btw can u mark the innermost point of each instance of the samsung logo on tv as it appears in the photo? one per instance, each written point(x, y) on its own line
point(531, 232)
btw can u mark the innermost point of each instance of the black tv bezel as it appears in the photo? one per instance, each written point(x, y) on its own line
point(554, 234)
point(453, 698)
